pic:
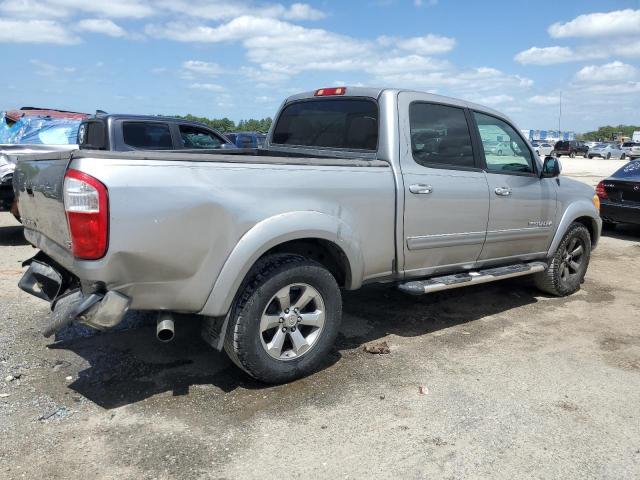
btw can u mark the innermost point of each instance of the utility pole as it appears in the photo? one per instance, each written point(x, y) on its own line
point(560, 116)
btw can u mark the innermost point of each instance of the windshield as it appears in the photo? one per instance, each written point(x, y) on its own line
point(345, 123)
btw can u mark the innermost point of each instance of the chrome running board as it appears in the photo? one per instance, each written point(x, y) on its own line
point(447, 282)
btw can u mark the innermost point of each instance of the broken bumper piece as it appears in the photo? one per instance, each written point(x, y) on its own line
point(99, 310)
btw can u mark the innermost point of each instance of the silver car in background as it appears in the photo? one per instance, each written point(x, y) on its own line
point(543, 149)
point(607, 151)
point(631, 149)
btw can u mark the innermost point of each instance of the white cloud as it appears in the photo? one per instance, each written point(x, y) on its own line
point(199, 67)
point(303, 11)
point(45, 69)
point(495, 99)
point(101, 25)
point(228, 9)
point(545, 56)
point(209, 87)
point(427, 45)
point(555, 55)
point(610, 71)
point(619, 22)
point(545, 99)
point(39, 31)
point(38, 9)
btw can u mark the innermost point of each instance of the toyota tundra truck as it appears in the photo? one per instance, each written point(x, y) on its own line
point(355, 186)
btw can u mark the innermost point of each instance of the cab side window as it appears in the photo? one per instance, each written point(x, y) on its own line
point(440, 136)
point(198, 138)
point(504, 149)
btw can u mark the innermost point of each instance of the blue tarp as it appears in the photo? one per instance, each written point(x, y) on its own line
point(39, 131)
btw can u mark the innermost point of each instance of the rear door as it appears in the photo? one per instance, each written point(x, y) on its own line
point(445, 193)
point(522, 205)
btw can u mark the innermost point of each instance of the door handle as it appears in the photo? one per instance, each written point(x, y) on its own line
point(420, 189)
point(503, 191)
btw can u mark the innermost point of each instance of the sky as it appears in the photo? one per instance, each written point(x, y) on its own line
point(240, 59)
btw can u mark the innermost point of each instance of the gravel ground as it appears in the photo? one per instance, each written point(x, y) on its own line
point(494, 381)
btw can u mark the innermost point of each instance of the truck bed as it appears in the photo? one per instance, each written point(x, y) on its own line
point(176, 217)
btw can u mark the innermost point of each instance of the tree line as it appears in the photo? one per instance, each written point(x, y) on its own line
point(610, 132)
point(227, 125)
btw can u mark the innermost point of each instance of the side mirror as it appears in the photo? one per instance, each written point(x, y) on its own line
point(551, 168)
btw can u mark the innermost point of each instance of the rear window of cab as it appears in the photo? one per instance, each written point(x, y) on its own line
point(344, 123)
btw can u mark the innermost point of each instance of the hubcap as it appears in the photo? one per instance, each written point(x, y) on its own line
point(292, 321)
point(572, 258)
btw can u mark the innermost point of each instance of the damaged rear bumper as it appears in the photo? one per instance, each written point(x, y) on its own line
point(49, 281)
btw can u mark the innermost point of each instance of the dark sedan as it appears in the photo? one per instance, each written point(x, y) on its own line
point(620, 196)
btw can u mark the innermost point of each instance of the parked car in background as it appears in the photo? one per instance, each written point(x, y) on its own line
point(620, 196)
point(591, 144)
point(121, 133)
point(28, 131)
point(607, 151)
point(571, 148)
point(498, 148)
point(543, 149)
point(631, 149)
point(356, 186)
point(247, 139)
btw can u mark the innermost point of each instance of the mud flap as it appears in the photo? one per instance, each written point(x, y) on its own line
point(214, 330)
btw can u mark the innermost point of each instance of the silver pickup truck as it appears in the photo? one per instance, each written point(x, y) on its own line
point(355, 185)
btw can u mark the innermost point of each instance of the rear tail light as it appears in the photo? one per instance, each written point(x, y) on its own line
point(86, 203)
point(601, 192)
point(326, 92)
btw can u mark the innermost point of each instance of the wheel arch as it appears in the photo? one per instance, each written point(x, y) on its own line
point(319, 236)
point(583, 212)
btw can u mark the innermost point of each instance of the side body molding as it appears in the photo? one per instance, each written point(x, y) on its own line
point(577, 209)
point(274, 231)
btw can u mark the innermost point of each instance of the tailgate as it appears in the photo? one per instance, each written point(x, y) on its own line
point(37, 183)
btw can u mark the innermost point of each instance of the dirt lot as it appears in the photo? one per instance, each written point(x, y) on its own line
point(496, 381)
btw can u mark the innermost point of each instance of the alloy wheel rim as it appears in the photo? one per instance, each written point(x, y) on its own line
point(292, 321)
point(572, 258)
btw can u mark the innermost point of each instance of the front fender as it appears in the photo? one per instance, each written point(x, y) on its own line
point(272, 232)
point(577, 209)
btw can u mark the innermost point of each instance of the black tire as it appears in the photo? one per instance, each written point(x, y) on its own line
point(243, 340)
point(500, 152)
point(590, 156)
point(552, 280)
point(623, 157)
point(584, 155)
point(609, 156)
point(572, 155)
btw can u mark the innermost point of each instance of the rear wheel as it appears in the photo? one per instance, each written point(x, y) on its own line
point(572, 155)
point(623, 156)
point(568, 265)
point(285, 320)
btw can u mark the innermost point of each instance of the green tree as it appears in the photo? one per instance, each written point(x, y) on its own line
point(608, 132)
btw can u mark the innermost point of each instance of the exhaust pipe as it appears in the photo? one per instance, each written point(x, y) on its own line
point(165, 329)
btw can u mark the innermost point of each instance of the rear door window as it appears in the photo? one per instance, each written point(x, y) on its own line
point(347, 123)
point(440, 136)
point(199, 138)
point(147, 135)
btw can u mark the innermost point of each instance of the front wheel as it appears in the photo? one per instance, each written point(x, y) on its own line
point(609, 156)
point(568, 265)
point(285, 320)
